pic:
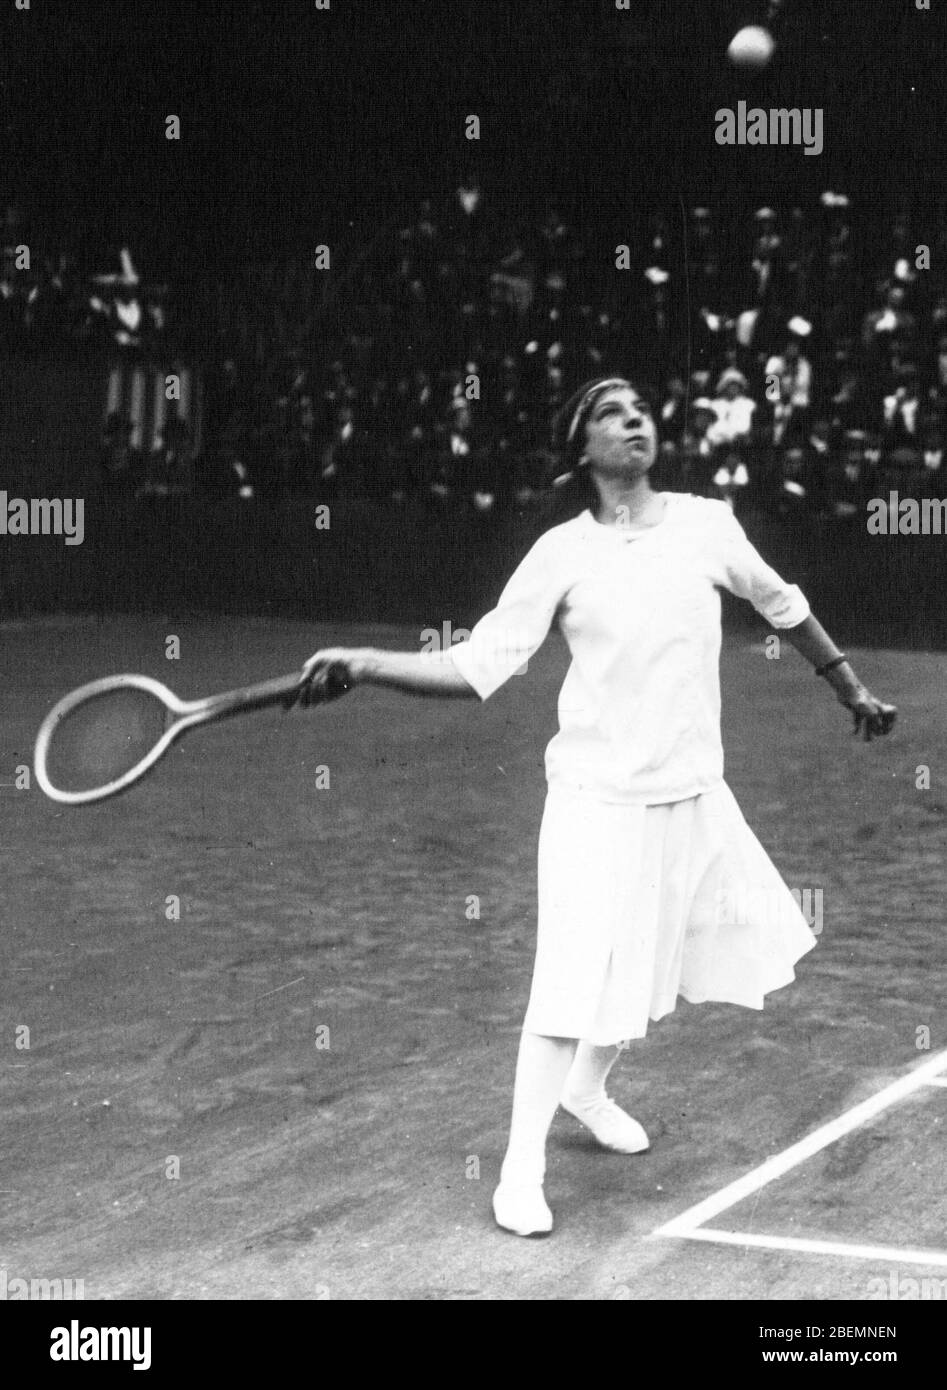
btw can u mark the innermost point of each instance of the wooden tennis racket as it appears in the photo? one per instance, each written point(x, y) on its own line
point(104, 737)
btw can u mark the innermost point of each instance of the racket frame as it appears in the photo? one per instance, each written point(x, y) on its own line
point(187, 714)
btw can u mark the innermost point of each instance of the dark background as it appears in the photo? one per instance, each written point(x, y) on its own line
point(296, 119)
point(370, 96)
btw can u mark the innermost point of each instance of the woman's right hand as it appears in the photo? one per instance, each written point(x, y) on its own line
point(329, 674)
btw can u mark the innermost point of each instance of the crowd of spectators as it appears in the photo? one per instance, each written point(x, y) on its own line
point(798, 354)
point(58, 296)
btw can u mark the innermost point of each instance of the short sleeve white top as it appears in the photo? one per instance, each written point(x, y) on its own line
point(639, 711)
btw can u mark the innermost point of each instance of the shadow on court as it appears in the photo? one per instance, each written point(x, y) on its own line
point(321, 1043)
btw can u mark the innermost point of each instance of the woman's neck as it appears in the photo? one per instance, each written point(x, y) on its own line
point(622, 501)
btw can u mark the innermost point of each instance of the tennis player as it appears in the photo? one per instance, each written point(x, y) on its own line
point(651, 884)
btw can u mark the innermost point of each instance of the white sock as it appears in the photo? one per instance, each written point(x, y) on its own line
point(585, 1082)
point(541, 1070)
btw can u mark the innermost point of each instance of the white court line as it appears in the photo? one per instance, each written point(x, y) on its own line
point(890, 1253)
point(775, 1167)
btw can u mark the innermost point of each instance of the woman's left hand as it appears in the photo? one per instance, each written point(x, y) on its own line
point(872, 716)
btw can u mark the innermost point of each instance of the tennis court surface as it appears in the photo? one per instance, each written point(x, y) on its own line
point(277, 989)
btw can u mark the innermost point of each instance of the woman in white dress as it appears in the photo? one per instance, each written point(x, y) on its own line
point(651, 885)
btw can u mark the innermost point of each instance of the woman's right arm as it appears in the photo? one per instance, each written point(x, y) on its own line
point(334, 670)
point(499, 646)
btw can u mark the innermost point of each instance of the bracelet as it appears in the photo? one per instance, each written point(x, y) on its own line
point(831, 665)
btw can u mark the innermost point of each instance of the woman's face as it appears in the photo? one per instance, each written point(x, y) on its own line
point(621, 440)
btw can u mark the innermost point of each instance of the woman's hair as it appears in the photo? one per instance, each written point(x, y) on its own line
point(572, 488)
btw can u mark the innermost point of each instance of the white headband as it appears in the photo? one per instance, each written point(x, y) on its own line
point(583, 403)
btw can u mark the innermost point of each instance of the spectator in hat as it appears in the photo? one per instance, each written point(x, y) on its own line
point(696, 451)
point(791, 374)
point(902, 407)
point(734, 409)
point(730, 478)
point(891, 325)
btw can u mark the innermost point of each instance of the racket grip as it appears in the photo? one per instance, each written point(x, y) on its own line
point(333, 683)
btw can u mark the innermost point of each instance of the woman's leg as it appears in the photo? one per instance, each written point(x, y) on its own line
point(584, 1097)
point(541, 1068)
point(589, 1071)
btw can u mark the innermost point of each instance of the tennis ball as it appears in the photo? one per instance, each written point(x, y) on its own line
point(751, 48)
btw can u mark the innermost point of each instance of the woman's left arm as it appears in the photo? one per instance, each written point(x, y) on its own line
point(745, 573)
point(812, 641)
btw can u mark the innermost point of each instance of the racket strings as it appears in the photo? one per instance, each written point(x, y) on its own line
point(103, 738)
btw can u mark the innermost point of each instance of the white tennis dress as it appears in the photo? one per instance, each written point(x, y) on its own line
point(651, 884)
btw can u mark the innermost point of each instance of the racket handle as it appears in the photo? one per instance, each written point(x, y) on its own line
point(250, 697)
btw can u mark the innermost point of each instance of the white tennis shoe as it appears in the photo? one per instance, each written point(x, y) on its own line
point(611, 1126)
point(522, 1209)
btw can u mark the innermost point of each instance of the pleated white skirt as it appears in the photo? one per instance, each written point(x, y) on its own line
point(641, 904)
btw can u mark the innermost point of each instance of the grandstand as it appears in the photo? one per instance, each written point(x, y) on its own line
point(798, 353)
